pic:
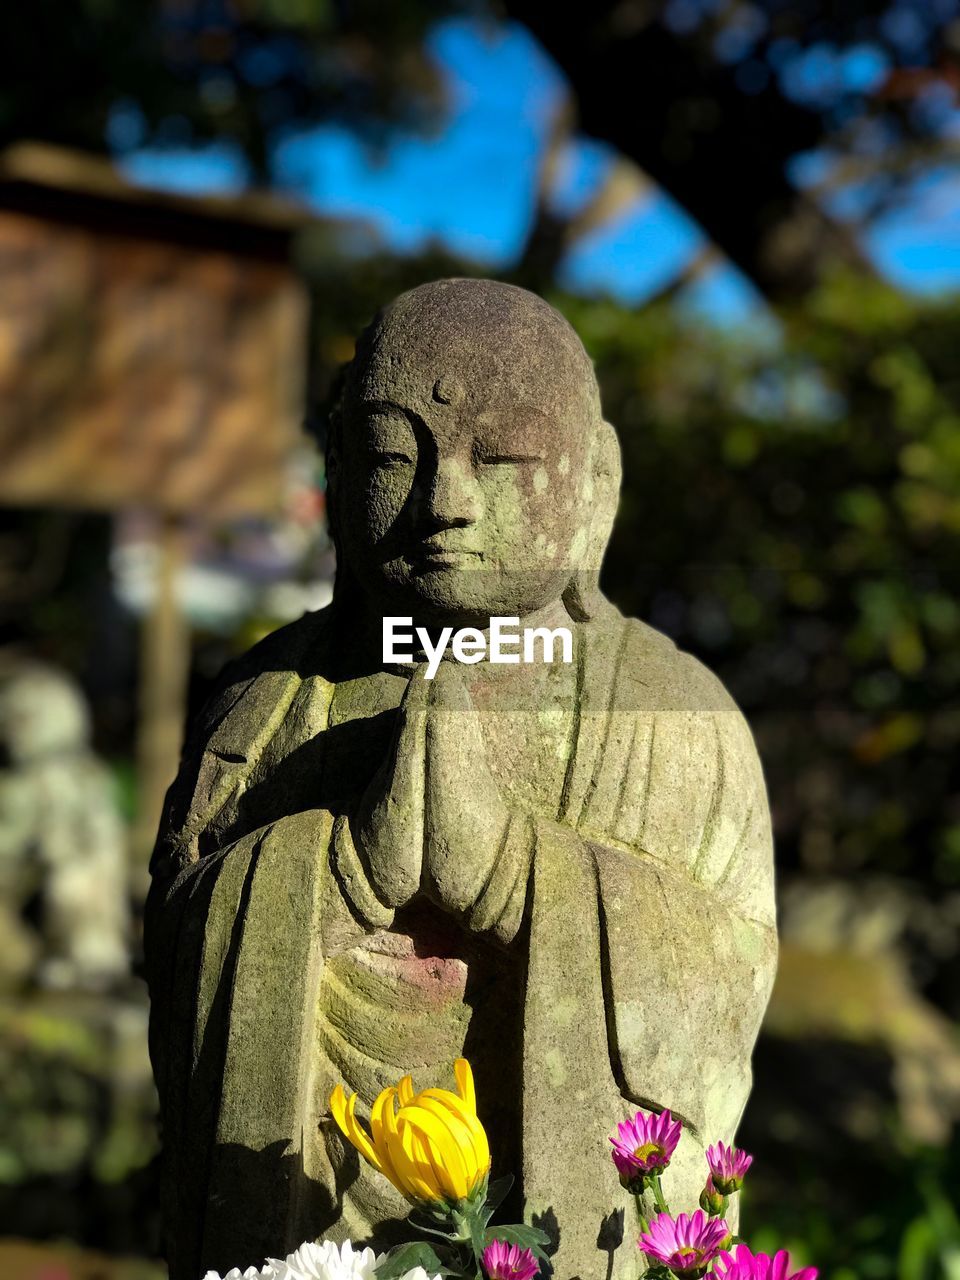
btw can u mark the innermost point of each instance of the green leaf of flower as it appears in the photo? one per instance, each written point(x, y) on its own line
point(407, 1256)
point(520, 1234)
point(496, 1194)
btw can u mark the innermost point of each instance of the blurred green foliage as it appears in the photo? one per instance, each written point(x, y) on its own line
point(860, 1202)
point(78, 1119)
point(914, 1235)
point(791, 513)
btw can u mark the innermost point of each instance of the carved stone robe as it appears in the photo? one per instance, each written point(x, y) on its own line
point(620, 955)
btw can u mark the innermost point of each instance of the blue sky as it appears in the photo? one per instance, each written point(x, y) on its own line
point(473, 185)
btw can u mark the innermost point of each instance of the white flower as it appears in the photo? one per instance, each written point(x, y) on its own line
point(251, 1273)
point(325, 1261)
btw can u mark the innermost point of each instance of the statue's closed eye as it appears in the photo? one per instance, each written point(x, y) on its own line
point(390, 441)
point(389, 458)
point(493, 459)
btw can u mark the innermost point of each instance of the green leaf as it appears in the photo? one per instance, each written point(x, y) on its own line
point(519, 1233)
point(407, 1256)
point(917, 1249)
point(496, 1194)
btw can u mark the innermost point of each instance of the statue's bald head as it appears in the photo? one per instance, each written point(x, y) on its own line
point(469, 459)
point(480, 344)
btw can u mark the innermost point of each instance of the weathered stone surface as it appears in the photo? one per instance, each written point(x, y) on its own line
point(563, 872)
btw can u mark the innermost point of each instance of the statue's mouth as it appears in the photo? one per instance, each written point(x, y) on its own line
point(436, 554)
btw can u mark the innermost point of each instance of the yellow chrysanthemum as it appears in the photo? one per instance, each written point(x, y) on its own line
point(432, 1148)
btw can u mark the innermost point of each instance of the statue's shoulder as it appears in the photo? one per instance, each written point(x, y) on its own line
point(290, 648)
point(224, 741)
point(654, 674)
point(250, 685)
point(676, 773)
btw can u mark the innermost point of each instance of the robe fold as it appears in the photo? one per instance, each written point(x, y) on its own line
point(624, 942)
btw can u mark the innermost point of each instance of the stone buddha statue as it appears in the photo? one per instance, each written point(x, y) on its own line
point(561, 871)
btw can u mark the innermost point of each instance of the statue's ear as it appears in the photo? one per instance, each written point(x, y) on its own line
point(582, 595)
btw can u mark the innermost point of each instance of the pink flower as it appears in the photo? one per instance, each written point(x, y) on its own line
point(686, 1244)
point(644, 1146)
point(728, 1167)
point(746, 1265)
point(509, 1262)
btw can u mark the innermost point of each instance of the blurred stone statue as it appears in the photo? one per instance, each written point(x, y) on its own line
point(63, 866)
point(561, 871)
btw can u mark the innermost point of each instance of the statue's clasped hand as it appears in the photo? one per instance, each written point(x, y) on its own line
point(432, 819)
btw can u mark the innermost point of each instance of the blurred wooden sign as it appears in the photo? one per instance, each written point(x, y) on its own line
point(151, 348)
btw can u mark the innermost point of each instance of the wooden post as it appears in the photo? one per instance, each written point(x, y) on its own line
point(164, 673)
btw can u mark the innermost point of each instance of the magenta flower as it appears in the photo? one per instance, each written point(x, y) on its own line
point(643, 1146)
point(509, 1262)
point(746, 1265)
point(728, 1167)
point(686, 1245)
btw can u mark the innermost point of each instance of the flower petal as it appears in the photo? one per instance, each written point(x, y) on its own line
point(469, 1118)
point(338, 1108)
point(343, 1110)
point(413, 1164)
point(464, 1077)
point(444, 1151)
point(472, 1151)
point(382, 1113)
point(359, 1136)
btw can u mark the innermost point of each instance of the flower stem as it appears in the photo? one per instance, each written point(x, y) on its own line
point(662, 1206)
point(644, 1224)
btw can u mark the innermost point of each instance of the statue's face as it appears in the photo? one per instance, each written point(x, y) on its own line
point(463, 495)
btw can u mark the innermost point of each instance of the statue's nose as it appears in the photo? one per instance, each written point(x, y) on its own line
point(451, 495)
